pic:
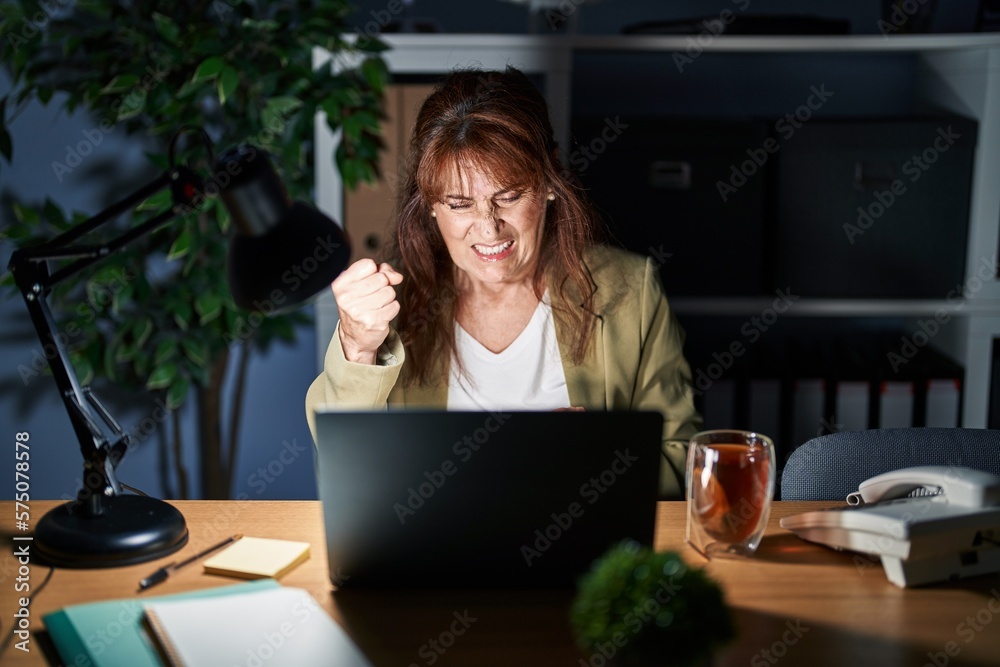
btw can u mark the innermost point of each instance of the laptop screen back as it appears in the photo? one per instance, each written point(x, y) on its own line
point(523, 499)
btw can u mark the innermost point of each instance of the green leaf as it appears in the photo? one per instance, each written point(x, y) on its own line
point(131, 107)
point(110, 365)
point(142, 330)
point(167, 28)
point(278, 110)
point(159, 160)
point(195, 351)
point(180, 246)
point(371, 45)
point(122, 352)
point(208, 69)
point(158, 202)
point(53, 213)
point(165, 350)
point(84, 369)
point(222, 217)
point(208, 305)
point(120, 84)
point(178, 392)
point(332, 108)
point(25, 214)
point(162, 377)
point(375, 73)
point(264, 25)
point(228, 82)
point(182, 314)
point(121, 297)
point(97, 294)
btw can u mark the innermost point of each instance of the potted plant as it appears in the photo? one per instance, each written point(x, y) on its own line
point(158, 316)
point(639, 607)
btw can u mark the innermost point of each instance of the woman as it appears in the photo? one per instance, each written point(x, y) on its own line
point(505, 300)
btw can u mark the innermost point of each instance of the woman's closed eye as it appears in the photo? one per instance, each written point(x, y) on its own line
point(504, 200)
point(510, 198)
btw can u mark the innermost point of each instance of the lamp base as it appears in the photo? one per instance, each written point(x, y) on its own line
point(110, 531)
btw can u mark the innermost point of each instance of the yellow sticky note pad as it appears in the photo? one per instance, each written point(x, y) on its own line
point(257, 558)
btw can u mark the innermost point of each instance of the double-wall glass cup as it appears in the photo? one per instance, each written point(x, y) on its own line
point(730, 483)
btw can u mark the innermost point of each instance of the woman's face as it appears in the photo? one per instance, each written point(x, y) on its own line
point(493, 233)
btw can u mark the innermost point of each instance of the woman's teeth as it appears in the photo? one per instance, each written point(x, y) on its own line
point(492, 250)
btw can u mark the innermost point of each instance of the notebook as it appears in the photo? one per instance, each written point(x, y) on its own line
point(276, 627)
point(110, 633)
point(522, 499)
point(258, 557)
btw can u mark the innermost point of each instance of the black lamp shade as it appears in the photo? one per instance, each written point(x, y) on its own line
point(288, 264)
point(281, 253)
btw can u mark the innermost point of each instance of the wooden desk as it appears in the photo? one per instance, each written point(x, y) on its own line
point(794, 603)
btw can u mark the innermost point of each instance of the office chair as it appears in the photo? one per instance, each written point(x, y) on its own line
point(831, 466)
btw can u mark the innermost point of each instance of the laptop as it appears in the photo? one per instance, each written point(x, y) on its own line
point(469, 499)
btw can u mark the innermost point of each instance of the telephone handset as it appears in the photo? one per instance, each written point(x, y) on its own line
point(928, 524)
point(958, 486)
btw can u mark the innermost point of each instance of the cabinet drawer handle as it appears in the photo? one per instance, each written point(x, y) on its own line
point(670, 175)
point(874, 174)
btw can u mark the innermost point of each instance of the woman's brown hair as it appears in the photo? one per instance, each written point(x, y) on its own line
point(497, 123)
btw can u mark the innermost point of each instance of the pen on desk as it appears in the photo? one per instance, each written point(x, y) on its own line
point(161, 575)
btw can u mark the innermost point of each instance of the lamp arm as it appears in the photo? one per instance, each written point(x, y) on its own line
point(102, 446)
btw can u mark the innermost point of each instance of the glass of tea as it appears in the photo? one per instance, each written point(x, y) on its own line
point(730, 483)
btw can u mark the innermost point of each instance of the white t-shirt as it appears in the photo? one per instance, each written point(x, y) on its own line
point(528, 375)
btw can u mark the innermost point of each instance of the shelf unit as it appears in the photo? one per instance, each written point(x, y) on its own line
point(957, 73)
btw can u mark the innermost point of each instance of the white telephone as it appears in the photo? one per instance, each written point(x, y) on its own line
point(928, 524)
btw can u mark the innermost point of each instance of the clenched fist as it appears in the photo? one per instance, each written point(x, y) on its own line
point(367, 303)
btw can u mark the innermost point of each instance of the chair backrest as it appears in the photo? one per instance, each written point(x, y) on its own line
point(831, 466)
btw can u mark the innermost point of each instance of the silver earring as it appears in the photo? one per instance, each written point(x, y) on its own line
point(552, 196)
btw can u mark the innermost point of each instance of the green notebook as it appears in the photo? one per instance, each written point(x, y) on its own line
point(110, 633)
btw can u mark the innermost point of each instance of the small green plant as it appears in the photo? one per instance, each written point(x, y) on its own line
point(637, 605)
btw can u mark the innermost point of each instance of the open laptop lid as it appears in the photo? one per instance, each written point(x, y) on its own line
point(523, 499)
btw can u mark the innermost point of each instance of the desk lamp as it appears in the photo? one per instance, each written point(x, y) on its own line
point(104, 527)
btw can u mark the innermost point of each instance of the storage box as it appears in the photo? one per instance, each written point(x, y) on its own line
point(656, 181)
point(873, 208)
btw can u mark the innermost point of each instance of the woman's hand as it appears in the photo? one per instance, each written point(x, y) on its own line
point(367, 303)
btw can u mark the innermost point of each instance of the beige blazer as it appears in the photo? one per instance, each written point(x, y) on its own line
point(634, 362)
